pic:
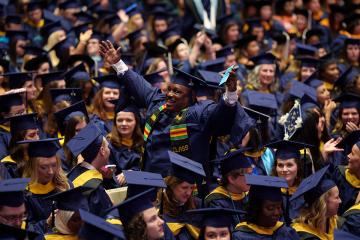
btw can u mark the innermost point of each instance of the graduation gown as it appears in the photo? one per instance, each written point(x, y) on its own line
point(351, 220)
point(181, 227)
point(203, 120)
point(220, 197)
point(98, 199)
point(124, 158)
point(58, 236)
point(249, 231)
point(294, 205)
point(11, 166)
point(104, 126)
point(5, 137)
point(307, 232)
point(348, 185)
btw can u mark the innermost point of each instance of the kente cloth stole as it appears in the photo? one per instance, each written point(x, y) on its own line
point(179, 137)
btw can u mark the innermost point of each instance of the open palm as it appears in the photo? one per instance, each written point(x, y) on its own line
point(109, 53)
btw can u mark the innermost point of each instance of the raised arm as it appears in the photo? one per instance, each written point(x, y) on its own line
point(134, 83)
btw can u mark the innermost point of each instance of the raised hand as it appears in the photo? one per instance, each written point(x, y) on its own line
point(109, 53)
point(231, 82)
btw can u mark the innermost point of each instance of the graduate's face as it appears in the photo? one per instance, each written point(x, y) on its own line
point(32, 134)
point(301, 22)
point(252, 49)
point(160, 26)
point(93, 47)
point(233, 33)
point(110, 94)
point(16, 110)
point(287, 169)
point(270, 213)
point(221, 233)
point(154, 224)
point(332, 72)
point(354, 160)
point(182, 192)
point(182, 51)
point(322, 94)
point(230, 60)
point(46, 169)
point(350, 115)
point(177, 97)
point(306, 72)
point(61, 84)
point(353, 52)
point(266, 74)
point(12, 216)
point(125, 124)
point(44, 68)
point(30, 90)
point(332, 202)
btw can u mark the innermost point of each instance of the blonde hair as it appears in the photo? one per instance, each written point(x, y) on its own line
point(253, 79)
point(60, 180)
point(52, 40)
point(315, 214)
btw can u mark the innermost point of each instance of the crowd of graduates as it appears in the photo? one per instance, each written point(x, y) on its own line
point(180, 119)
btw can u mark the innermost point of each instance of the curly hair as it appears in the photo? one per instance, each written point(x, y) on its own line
point(18, 152)
point(314, 215)
point(136, 228)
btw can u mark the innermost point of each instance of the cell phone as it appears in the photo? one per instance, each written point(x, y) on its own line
point(110, 166)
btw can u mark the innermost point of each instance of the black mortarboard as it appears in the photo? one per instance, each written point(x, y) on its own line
point(225, 51)
point(84, 17)
point(64, 115)
point(209, 32)
point(69, 4)
point(154, 78)
point(343, 235)
point(76, 74)
point(13, 18)
point(232, 161)
point(287, 149)
point(212, 79)
point(259, 117)
point(124, 104)
point(352, 41)
point(98, 228)
point(17, 34)
point(265, 58)
point(9, 100)
point(80, 58)
point(23, 122)
point(349, 141)
point(12, 191)
point(336, 8)
point(314, 186)
point(308, 62)
point(299, 89)
point(132, 10)
point(154, 50)
point(171, 31)
point(172, 47)
point(262, 102)
point(314, 32)
point(245, 40)
point(35, 4)
point(185, 169)
point(135, 205)
point(97, 35)
point(226, 20)
point(5, 64)
point(8, 232)
point(305, 50)
point(215, 217)
point(140, 181)
point(71, 95)
point(81, 28)
point(70, 200)
point(160, 11)
point(346, 77)
point(215, 65)
point(265, 187)
point(112, 19)
point(34, 63)
point(42, 148)
point(185, 79)
point(308, 102)
point(348, 100)
point(352, 17)
point(48, 29)
point(109, 81)
point(17, 79)
point(135, 35)
point(87, 142)
point(34, 50)
point(46, 78)
point(313, 80)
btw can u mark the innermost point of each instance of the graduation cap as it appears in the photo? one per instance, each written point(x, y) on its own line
point(351, 41)
point(81, 28)
point(313, 81)
point(70, 200)
point(135, 35)
point(13, 18)
point(233, 160)
point(160, 12)
point(97, 35)
point(225, 51)
point(346, 77)
point(170, 32)
point(209, 32)
point(349, 141)
point(352, 17)
point(155, 50)
point(34, 50)
point(46, 78)
point(128, 58)
point(185, 169)
point(8, 232)
point(9, 100)
point(226, 20)
point(71, 95)
point(17, 79)
point(262, 102)
point(185, 79)
point(314, 186)
point(336, 8)
point(77, 74)
point(48, 29)
point(84, 17)
point(348, 100)
point(109, 81)
point(314, 32)
point(42, 148)
point(80, 58)
point(259, 117)
point(308, 102)
point(286, 149)
point(132, 10)
point(112, 19)
point(125, 104)
point(17, 35)
point(134, 205)
point(69, 4)
point(212, 79)
point(343, 235)
point(98, 228)
point(308, 62)
point(172, 47)
point(305, 50)
point(34, 63)
point(243, 42)
point(87, 142)
point(252, 23)
point(140, 181)
point(214, 65)
point(35, 4)
point(155, 77)
point(265, 58)
point(215, 217)
point(5, 64)
point(265, 187)
point(64, 115)
point(12, 191)
point(23, 122)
